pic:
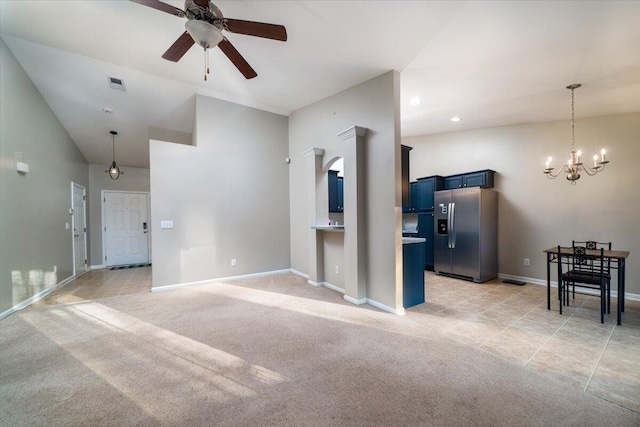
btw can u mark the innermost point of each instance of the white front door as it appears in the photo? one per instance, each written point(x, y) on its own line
point(78, 219)
point(125, 228)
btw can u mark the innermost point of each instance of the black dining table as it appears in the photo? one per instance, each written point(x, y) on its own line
point(617, 259)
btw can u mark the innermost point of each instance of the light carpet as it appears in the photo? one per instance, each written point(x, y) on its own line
point(265, 351)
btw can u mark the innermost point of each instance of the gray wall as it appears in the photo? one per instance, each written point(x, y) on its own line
point(536, 213)
point(227, 195)
point(33, 207)
point(374, 105)
point(133, 179)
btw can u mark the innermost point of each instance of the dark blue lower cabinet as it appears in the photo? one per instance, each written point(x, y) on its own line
point(425, 230)
point(412, 274)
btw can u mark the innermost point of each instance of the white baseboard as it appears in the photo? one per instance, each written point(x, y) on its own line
point(37, 297)
point(97, 267)
point(543, 282)
point(333, 287)
point(399, 312)
point(531, 280)
point(314, 284)
point(299, 273)
point(221, 279)
point(352, 300)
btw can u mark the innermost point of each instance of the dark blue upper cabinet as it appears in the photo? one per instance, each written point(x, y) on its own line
point(472, 179)
point(333, 191)
point(340, 194)
point(413, 196)
point(426, 187)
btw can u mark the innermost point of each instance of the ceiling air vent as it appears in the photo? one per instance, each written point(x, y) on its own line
point(116, 83)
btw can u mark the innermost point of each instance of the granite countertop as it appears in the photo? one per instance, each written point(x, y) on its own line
point(409, 240)
point(328, 227)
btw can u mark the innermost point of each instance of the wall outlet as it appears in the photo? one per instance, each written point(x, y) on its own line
point(337, 269)
point(526, 261)
point(233, 262)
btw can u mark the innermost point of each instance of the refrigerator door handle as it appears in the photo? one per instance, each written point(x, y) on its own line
point(449, 226)
point(453, 226)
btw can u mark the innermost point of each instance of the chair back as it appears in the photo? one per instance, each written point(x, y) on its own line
point(593, 245)
point(577, 266)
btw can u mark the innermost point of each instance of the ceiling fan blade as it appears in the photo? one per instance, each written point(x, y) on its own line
point(179, 48)
point(257, 29)
point(241, 64)
point(156, 4)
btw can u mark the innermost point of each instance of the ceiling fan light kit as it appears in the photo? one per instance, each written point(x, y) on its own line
point(204, 26)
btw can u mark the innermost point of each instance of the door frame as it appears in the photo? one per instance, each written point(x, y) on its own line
point(103, 227)
point(73, 213)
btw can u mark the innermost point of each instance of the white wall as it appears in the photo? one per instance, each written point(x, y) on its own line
point(536, 213)
point(34, 207)
point(373, 105)
point(228, 196)
point(133, 179)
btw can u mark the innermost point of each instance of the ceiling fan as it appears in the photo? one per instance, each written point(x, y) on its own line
point(204, 26)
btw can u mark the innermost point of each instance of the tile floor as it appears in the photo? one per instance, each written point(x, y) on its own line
point(513, 322)
point(101, 283)
point(509, 321)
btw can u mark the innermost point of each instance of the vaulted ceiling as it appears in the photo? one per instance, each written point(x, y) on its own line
point(490, 63)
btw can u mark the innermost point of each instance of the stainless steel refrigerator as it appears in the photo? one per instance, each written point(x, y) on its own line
point(466, 233)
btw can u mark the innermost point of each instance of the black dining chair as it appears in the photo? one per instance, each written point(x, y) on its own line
point(577, 268)
point(591, 244)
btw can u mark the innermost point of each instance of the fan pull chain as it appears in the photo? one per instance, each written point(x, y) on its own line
point(206, 63)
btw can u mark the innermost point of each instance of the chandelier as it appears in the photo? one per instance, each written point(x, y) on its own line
point(574, 166)
point(114, 171)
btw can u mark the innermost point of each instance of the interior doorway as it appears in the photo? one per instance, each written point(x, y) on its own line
point(125, 231)
point(79, 223)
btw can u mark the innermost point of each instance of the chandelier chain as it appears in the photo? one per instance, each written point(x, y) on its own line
point(573, 145)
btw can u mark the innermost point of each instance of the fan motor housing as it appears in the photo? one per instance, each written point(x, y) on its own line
point(194, 11)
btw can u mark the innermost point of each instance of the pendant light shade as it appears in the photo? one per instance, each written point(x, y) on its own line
point(114, 171)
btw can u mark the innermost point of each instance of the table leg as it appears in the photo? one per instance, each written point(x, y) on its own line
point(620, 289)
point(548, 281)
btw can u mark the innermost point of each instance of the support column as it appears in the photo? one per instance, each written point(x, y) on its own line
point(316, 249)
point(355, 229)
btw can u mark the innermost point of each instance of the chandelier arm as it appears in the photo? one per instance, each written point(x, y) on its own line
point(551, 175)
point(589, 171)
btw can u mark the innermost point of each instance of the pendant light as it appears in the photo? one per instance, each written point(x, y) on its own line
point(114, 171)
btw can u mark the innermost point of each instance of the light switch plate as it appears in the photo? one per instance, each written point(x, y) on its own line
point(166, 224)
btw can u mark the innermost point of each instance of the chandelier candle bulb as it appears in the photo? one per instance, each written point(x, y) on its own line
point(595, 160)
point(603, 152)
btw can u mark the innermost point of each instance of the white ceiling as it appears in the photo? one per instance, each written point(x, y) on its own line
point(491, 63)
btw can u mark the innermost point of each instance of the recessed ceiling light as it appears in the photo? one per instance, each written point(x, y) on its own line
point(107, 110)
point(414, 101)
point(455, 119)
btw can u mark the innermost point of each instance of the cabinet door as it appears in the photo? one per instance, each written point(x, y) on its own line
point(333, 191)
point(427, 187)
point(412, 198)
point(453, 182)
point(340, 194)
point(415, 196)
point(426, 231)
point(478, 179)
